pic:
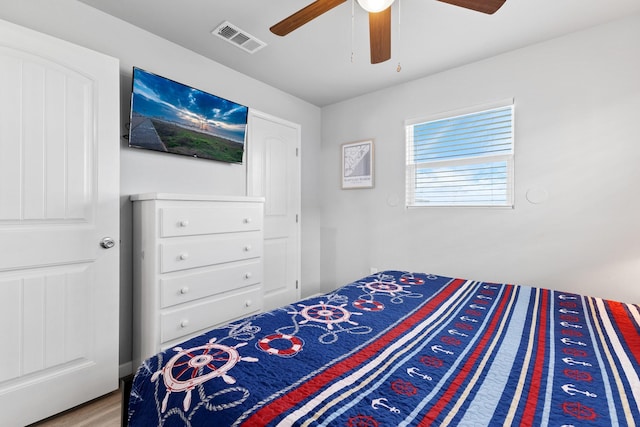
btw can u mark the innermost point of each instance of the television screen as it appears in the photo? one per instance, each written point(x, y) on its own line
point(171, 117)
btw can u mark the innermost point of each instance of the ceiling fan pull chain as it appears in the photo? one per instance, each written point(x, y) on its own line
point(399, 44)
point(353, 9)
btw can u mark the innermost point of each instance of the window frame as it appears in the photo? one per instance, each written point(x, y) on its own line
point(411, 167)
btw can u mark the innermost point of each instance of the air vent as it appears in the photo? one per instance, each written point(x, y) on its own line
point(239, 38)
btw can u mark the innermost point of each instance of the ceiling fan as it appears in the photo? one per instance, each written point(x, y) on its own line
point(379, 20)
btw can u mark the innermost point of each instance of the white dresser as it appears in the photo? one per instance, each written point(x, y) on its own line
point(197, 265)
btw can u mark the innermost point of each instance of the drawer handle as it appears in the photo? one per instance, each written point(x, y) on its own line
point(247, 275)
point(184, 223)
point(248, 303)
point(247, 248)
point(247, 221)
point(184, 323)
point(184, 290)
point(184, 256)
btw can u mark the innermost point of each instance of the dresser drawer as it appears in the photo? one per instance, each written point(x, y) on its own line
point(185, 253)
point(207, 314)
point(190, 286)
point(193, 220)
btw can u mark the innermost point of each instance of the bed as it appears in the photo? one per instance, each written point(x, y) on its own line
point(405, 349)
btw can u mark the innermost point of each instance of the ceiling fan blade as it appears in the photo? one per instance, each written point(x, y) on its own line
point(485, 6)
point(303, 16)
point(380, 35)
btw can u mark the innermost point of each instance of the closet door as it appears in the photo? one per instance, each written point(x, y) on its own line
point(273, 172)
point(59, 200)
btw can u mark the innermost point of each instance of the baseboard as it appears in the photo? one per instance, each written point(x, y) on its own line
point(313, 295)
point(125, 369)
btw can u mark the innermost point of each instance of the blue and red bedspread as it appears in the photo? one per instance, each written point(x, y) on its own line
point(406, 349)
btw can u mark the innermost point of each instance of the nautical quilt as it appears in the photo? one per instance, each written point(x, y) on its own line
point(405, 349)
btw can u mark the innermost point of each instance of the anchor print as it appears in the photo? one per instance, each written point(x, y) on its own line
point(572, 390)
point(565, 311)
point(490, 287)
point(572, 361)
point(440, 349)
point(570, 325)
point(382, 403)
point(483, 297)
point(468, 319)
point(415, 372)
point(569, 341)
point(477, 307)
point(565, 297)
point(456, 332)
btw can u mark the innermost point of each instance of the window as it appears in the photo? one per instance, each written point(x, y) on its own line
point(463, 159)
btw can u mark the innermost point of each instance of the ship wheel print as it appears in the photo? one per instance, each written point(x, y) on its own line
point(389, 288)
point(575, 352)
point(192, 367)
point(362, 421)
point(326, 314)
point(577, 375)
point(579, 411)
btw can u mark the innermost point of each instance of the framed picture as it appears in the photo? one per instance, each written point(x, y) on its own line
point(357, 164)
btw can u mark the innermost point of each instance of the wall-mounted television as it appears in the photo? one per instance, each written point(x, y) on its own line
point(171, 117)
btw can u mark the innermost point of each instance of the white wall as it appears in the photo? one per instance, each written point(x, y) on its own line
point(577, 138)
point(146, 171)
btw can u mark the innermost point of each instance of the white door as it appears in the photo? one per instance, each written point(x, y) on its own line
point(59, 196)
point(273, 172)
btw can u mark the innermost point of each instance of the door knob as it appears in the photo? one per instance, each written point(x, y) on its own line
point(107, 242)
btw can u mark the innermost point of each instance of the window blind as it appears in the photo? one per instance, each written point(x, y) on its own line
point(463, 160)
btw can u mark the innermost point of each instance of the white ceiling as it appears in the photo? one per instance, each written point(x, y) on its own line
point(327, 60)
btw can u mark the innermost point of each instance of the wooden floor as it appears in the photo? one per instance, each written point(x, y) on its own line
point(102, 412)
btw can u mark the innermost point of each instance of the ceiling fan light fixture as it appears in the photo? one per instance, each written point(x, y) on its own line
point(375, 6)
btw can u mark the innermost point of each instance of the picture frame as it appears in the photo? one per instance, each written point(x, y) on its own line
point(357, 164)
